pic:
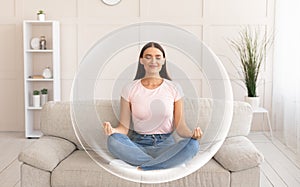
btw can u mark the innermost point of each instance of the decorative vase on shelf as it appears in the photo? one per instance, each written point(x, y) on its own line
point(44, 96)
point(36, 98)
point(41, 15)
point(253, 101)
point(43, 43)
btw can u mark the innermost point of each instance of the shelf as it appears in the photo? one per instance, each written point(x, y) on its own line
point(37, 22)
point(36, 60)
point(34, 134)
point(260, 110)
point(39, 80)
point(34, 108)
point(39, 51)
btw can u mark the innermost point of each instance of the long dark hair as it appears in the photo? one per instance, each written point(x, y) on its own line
point(140, 73)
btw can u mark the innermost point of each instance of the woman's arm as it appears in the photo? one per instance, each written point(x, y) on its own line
point(180, 125)
point(124, 122)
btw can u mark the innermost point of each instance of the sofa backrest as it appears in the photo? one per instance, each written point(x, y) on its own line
point(241, 119)
point(56, 119)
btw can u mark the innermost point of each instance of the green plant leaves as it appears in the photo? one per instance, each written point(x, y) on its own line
point(251, 49)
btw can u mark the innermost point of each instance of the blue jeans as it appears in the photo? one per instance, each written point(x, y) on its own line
point(150, 152)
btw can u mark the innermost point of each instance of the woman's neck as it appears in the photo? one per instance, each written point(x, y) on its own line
point(152, 82)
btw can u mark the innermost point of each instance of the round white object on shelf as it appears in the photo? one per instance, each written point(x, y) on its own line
point(35, 43)
point(47, 74)
point(111, 2)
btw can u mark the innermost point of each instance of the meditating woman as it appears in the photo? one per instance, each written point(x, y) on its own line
point(155, 104)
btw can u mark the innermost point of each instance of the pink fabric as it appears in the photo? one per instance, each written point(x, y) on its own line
point(152, 109)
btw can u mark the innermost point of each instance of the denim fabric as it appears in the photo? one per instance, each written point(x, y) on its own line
point(150, 152)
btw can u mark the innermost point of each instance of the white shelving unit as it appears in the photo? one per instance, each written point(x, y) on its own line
point(35, 61)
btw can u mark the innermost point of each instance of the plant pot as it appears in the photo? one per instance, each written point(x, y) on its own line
point(253, 101)
point(44, 99)
point(36, 100)
point(41, 17)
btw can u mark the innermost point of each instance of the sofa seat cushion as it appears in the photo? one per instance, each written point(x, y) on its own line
point(80, 170)
point(211, 174)
point(238, 153)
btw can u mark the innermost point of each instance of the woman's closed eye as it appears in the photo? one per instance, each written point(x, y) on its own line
point(149, 58)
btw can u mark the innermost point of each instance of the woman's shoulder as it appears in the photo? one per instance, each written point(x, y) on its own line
point(172, 84)
point(130, 85)
point(128, 89)
point(133, 83)
point(175, 88)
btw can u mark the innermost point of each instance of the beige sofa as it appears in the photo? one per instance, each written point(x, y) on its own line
point(58, 158)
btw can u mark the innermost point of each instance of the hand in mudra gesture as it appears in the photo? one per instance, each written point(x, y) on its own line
point(197, 134)
point(108, 129)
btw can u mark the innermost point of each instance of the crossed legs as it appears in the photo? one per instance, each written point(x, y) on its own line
point(135, 154)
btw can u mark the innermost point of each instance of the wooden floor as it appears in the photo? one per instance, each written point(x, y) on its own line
point(279, 169)
point(11, 144)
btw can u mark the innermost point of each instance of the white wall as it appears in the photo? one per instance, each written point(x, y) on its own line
point(83, 22)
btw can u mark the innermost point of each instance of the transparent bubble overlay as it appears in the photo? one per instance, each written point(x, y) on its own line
point(88, 113)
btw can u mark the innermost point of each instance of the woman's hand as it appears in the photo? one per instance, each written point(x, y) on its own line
point(108, 129)
point(197, 134)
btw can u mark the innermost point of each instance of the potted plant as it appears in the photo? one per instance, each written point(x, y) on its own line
point(251, 49)
point(41, 15)
point(44, 96)
point(36, 98)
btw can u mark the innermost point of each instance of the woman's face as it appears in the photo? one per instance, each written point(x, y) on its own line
point(153, 61)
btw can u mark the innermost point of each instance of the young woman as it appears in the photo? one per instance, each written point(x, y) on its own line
point(155, 104)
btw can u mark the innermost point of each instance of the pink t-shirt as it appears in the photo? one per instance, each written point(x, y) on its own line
point(152, 109)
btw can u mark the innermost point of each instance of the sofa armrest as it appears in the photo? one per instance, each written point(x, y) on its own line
point(238, 153)
point(47, 152)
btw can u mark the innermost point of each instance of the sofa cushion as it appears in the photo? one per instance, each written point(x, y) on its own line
point(91, 174)
point(88, 118)
point(246, 178)
point(241, 119)
point(198, 112)
point(211, 174)
point(47, 152)
point(56, 121)
point(238, 153)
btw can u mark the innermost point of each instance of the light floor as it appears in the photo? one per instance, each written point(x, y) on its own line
point(279, 169)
